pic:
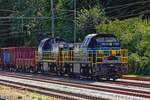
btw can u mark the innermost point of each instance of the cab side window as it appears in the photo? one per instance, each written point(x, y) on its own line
point(47, 46)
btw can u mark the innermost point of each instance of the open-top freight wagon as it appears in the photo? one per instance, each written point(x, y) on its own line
point(18, 58)
point(98, 56)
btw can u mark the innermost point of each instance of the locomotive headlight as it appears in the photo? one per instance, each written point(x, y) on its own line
point(100, 53)
point(110, 43)
point(113, 52)
point(61, 46)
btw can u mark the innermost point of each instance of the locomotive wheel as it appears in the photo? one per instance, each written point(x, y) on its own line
point(68, 69)
point(114, 78)
point(53, 68)
point(71, 74)
point(58, 70)
point(49, 68)
point(2, 67)
point(86, 70)
point(108, 78)
point(97, 78)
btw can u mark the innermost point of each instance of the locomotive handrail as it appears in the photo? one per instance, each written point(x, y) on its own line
point(85, 56)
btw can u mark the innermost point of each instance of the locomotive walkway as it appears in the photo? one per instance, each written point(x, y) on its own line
point(76, 89)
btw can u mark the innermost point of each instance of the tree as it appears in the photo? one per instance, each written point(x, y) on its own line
point(88, 19)
point(5, 24)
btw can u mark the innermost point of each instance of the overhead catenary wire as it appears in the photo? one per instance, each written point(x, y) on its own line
point(129, 4)
point(5, 10)
point(19, 31)
point(134, 11)
point(5, 20)
point(112, 7)
point(122, 8)
point(89, 27)
point(9, 24)
point(120, 16)
point(131, 15)
point(22, 34)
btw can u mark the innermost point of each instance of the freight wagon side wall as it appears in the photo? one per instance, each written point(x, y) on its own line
point(25, 56)
point(20, 56)
point(1, 57)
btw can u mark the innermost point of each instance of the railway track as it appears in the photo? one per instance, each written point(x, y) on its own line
point(56, 94)
point(50, 92)
point(39, 77)
point(140, 84)
point(110, 89)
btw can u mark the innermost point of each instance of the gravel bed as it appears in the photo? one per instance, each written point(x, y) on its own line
point(108, 84)
point(89, 92)
point(122, 86)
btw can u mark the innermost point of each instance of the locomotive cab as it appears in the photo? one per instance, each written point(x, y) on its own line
point(101, 41)
point(108, 59)
point(47, 52)
point(47, 44)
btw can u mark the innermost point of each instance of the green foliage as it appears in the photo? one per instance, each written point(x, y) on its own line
point(64, 23)
point(26, 31)
point(134, 34)
point(5, 10)
point(88, 19)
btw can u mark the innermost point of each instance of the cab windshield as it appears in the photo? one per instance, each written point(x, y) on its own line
point(107, 42)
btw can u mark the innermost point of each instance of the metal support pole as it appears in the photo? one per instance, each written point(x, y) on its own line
point(22, 24)
point(52, 18)
point(75, 21)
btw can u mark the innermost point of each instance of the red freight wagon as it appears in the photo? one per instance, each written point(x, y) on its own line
point(1, 58)
point(20, 57)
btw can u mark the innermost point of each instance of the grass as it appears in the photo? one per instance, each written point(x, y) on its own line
point(10, 93)
point(138, 75)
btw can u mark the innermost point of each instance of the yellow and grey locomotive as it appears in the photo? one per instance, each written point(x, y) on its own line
point(98, 56)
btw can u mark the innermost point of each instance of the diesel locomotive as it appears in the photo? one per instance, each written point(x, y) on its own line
point(98, 56)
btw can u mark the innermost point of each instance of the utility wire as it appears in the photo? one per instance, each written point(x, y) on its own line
point(119, 16)
point(123, 16)
point(134, 11)
point(129, 4)
point(130, 15)
point(4, 10)
point(122, 8)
